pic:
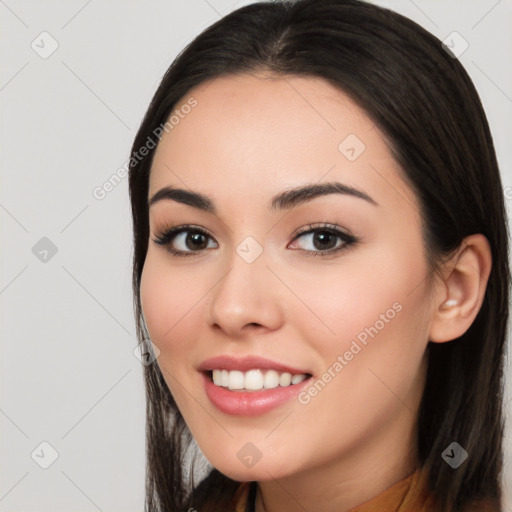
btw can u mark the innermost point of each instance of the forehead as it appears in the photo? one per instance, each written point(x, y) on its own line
point(252, 135)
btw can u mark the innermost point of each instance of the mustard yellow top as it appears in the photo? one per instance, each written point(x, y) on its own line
point(407, 495)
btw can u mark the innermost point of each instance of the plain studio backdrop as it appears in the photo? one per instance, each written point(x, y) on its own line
point(75, 80)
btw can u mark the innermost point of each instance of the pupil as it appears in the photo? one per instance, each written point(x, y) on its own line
point(197, 239)
point(322, 236)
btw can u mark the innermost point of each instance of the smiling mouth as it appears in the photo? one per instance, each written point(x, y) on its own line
point(255, 379)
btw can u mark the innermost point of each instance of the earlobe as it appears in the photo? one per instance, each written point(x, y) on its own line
point(460, 293)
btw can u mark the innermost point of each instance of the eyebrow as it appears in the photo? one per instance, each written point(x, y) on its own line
point(282, 201)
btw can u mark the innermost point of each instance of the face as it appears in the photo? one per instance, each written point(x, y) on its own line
point(250, 286)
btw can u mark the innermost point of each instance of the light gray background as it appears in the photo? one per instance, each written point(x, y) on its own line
point(68, 373)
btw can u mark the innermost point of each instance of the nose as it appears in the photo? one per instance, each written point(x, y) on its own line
point(245, 300)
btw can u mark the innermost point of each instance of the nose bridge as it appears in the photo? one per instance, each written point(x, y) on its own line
point(243, 296)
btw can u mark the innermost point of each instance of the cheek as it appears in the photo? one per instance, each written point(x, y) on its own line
point(372, 334)
point(372, 363)
point(168, 298)
point(171, 301)
point(366, 292)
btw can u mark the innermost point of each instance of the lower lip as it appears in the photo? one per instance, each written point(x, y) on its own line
point(250, 403)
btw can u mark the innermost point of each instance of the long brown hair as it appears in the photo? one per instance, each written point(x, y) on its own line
point(424, 102)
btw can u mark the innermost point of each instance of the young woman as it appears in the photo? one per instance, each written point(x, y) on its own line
point(321, 260)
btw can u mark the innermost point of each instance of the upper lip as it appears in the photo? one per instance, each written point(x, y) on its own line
point(245, 363)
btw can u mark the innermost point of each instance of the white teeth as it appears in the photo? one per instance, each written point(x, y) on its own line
point(271, 379)
point(236, 380)
point(285, 379)
point(254, 379)
point(298, 378)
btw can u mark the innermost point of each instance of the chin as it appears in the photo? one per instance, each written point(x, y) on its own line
point(260, 471)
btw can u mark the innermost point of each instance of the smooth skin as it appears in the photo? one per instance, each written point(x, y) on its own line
point(250, 137)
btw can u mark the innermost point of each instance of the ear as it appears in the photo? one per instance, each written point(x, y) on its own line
point(460, 292)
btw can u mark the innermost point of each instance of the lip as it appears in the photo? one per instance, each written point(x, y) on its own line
point(249, 403)
point(246, 363)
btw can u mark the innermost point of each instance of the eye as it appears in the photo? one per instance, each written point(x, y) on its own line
point(324, 239)
point(321, 240)
point(184, 240)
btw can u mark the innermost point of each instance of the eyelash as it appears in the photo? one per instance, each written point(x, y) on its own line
point(165, 238)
